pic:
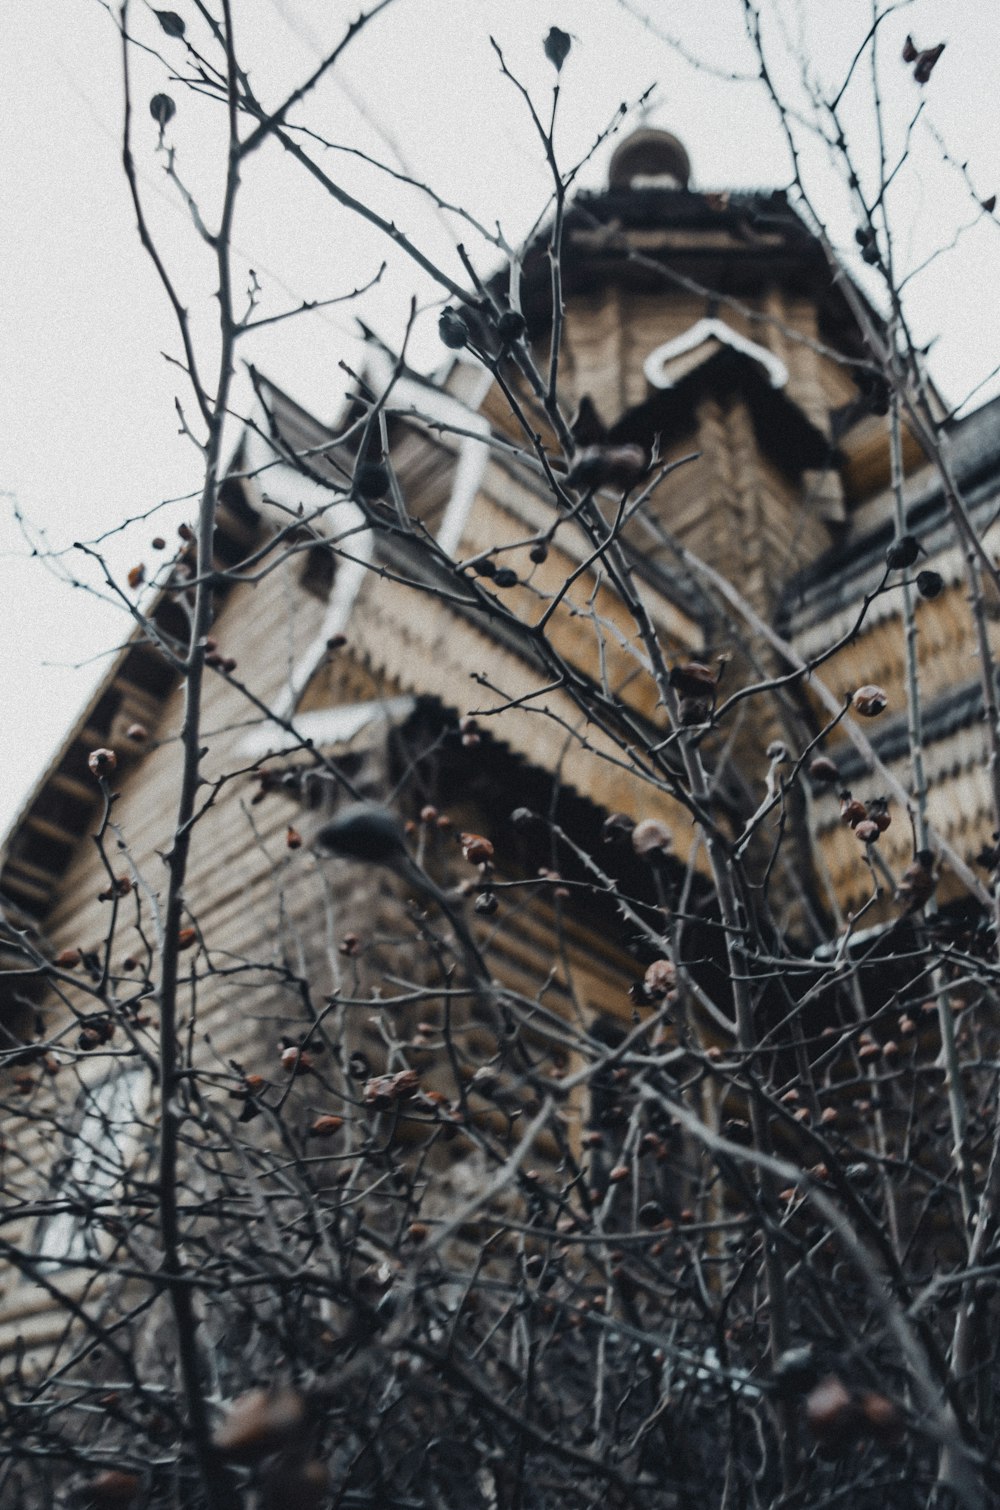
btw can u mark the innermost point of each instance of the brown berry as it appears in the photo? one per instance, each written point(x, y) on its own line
point(68, 959)
point(325, 1127)
point(651, 839)
point(823, 771)
point(102, 762)
point(186, 938)
point(852, 811)
point(296, 1059)
point(476, 849)
point(692, 679)
point(870, 701)
point(660, 980)
point(258, 1423)
point(833, 1416)
point(882, 1420)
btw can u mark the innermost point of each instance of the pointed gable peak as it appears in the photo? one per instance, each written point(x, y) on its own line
point(665, 366)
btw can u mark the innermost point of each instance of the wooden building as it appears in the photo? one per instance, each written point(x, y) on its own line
point(706, 328)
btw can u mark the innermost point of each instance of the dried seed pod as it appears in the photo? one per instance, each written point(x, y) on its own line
point(870, 701)
point(903, 552)
point(296, 1059)
point(822, 771)
point(692, 679)
point(68, 959)
point(917, 883)
point(511, 326)
point(557, 45)
point(326, 1126)
point(102, 762)
point(384, 1090)
point(170, 22)
point(832, 1414)
point(258, 1423)
point(162, 109)
point(651, 839)
point(882, 1421)
point(924, 65)
point(878, 811)
point(186, 938)
point(660, 980)
point(476, 849)
point(249, 1086)
point(867, 831)
point(608, 466)
point(452, 329)
point(293, 839)
point(852, 810)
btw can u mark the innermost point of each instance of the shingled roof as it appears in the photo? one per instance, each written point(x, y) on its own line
point(842, 576)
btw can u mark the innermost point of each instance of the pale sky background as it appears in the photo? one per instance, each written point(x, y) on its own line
point(89, 433)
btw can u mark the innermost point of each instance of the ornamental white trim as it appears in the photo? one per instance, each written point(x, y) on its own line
point(708, 329)
point(326, 726)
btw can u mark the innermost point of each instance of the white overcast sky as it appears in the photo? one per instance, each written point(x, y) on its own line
point(89, 433)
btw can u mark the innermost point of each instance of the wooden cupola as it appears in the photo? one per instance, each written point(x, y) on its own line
point(709, 322)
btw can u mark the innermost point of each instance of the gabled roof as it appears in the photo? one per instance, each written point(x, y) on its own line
point(60, 807)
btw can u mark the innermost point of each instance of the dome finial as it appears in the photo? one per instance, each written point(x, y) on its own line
point(650, 159)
